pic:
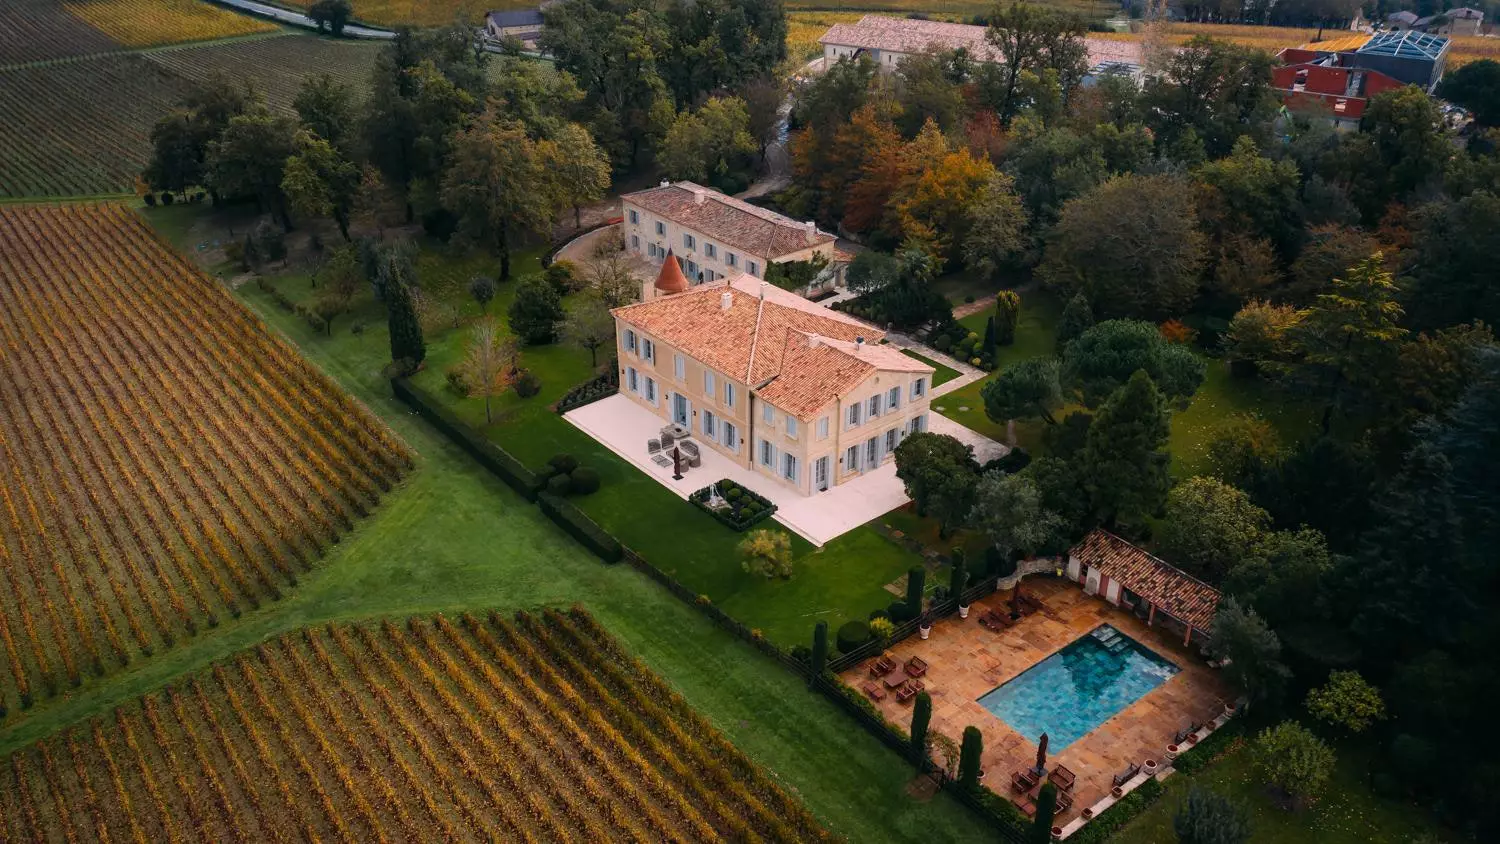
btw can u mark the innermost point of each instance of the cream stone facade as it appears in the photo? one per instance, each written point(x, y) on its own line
point(805, 397)
point(715, 236)
point(889, 41)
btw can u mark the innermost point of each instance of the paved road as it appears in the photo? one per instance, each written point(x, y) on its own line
point(287, 16)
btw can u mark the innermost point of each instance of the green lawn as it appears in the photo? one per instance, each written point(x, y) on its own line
point(1219, 398)
point(841, 581)
point(452, 537)
point(943, 375)
point(1349, 813)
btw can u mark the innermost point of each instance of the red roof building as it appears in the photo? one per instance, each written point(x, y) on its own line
point(1337, 93)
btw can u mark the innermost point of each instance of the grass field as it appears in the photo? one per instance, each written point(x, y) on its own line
point(943, 375)
point(430, 729)
point(1347, 813)
point(168, 464)
point(82, 128)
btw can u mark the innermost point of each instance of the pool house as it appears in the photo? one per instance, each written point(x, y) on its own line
point(1154, 590)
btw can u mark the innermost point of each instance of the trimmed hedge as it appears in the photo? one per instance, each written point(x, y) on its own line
point(1099, 830)
point(747, 508)
point(490, 456)
point(585, 480)
point(590, 391)
point(1206, 752)
point(581, 527)
point(852, 635)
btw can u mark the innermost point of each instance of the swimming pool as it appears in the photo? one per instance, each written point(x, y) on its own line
point(1078, 688)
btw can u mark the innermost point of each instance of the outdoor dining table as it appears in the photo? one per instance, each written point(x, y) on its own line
point(896, 678)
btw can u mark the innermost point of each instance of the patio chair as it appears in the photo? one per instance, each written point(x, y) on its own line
point(653, 446)
point(906, 692)
point(991, 621)
point(915, 667)
point(1062, 778)
point(1064, 801)
point(882, 666)
point(875, 692)
point(1125, 776)
point(1022, 781)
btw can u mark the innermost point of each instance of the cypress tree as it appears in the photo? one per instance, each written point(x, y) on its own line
point(1007, 314)
point(1124, 460)
point(1077, 318)
point(989, 335)
point(969, 753)
point(1046, 808)
point(916, 581)
point(959, 577)
point(407, 346)
point(921, 715)
point(819, 652)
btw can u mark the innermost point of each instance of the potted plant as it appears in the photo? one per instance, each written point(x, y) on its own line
point(1149, 767)
point(963, 610)
point(1117, 792)
point(1172, 751)
point(925, 628)
point(1088, 814)
point(979, 778)
point(1056, 833)
point(1230, 708)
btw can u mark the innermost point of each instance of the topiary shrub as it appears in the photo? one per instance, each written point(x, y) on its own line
point(563, 464)
point(900, 612)
point(560, 485)
point(585, 480)
point(527, 385)
point(879, 613)
point(943, 343)
point(734, 494)
point(852, 635)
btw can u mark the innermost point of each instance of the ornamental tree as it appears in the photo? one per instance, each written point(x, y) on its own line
point(1209, 527)
point(536, 311)
point(939, 473)
point(1347, 700)
point(1102, 358)
point(921, 716)
point(1252, 649)
point(1023, 390)
point(1294, 760)
point(1009, 509)
point(1209, 818)
point(767, 553)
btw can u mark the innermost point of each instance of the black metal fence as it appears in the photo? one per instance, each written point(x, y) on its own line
point(939, 609)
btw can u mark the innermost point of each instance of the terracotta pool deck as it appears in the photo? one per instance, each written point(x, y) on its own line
point(966, 661)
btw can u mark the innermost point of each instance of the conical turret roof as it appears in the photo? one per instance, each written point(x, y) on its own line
point(671, 279)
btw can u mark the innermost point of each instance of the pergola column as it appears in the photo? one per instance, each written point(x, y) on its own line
point(1150, 615)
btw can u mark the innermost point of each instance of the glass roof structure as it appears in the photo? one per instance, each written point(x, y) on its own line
point(1406, 44)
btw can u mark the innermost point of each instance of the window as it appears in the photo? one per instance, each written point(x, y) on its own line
point(752, 268)
point(661, 229)
point(767, 454)
point(731, 437)
point(635, 242)
point(679, 366)
point(629, 340)
point(872, 452)
point(710, 250)
point(918, 388)
point(823, 428)
point(851, 458)
point(919, 424)
point(651, 249)
point(767, 413)
point(648, 350)
point(651, 390)
point(710, 425)
point(728, 394)
point(791, 427)
point(688, 241)
point(632, 379)
point(692, 271)
point(854, 410)
point(789, 467)
point(708, 384)
point(875, 405)
point(893, 398)
point(635, 217)
point(731, 259)
point(891, 437)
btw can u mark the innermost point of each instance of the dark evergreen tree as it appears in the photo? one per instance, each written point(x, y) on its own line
point(1124, 462)
point(916, 582)
point(819, 652)
point(969, 752)
point(989, 336)
point(1077, 318)
point(397, 280)
point(1007, 314)
point(1208, 818)
point(958, 579)
point(536, 312)
point(1046, 810)
point(921, 715)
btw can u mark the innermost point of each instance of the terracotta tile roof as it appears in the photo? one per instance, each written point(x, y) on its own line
point(730, 221)
point(906, 35)
point(764, 338)
point(1183, 596)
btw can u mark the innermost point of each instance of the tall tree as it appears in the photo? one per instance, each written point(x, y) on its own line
point(1031, 38)
point(536, 312)
point(1077, 317)
point(498, 186)
point(320, 182)
point(1040, 831)
point(176, 156)
point(1252, 649)
point(1104, 357)
point(1024, 389)
point(408, 349)
point(590, 326)
point(249, 159)
point(763, 97)
point(1130, 246)
point(1124, 459)
point(333, 14)
point(1350, 334)
point(1400, 150)
point(934, 207)
point(996, 227)
point(921, 715)
point(1476, 87)
point(1010, 511)
point(1209, 528)
point(939, 474)
point(325, 106)
point(579, 168)
point(1453, 262)
point(1248, 194)
point(1210, 94)
point(711, 145)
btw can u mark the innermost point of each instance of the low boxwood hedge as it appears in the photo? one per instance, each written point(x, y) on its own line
point(581, 527)
point(590, 391)
point(490, 456)
point(743, 507)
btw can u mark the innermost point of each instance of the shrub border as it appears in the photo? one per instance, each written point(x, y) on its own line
point(578, 396)
point(768, 507)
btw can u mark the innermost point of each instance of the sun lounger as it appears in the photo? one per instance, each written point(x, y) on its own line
point(653, 446)
point(1062, 778)
point(915, 667)
point(1126, 775)
point(874, 691)
point(1027, 808)
point(882, 666)
point(1022, 781)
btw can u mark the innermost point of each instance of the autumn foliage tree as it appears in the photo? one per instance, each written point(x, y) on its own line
point(489, 364)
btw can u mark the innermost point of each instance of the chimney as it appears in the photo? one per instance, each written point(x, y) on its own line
point(812, 230)
point(726, 300)
point(814, 341)
point(859, 343)
point(665, 184)
point(699, 194)
point(763, 286)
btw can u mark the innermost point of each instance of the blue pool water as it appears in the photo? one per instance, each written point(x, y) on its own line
point(1078, 688)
